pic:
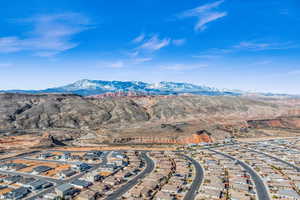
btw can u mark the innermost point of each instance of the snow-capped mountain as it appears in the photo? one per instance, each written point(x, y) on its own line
point(87, 87)
point(90, 87)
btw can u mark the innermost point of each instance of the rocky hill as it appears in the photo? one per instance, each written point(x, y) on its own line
point(72, 116)
point(26, 111)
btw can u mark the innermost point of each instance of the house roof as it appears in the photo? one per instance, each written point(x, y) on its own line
point(42, 168)
point(64, 187)
point(81, 183)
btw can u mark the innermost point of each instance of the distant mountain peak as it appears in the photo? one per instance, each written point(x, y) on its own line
point(86, 87)
point(94, 87)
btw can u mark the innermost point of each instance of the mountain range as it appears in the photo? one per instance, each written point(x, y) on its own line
point(87, 87)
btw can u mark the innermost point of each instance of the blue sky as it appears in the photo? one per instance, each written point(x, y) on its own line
point(250, 45)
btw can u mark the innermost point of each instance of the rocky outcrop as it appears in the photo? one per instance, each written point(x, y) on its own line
point(279, 123)
point(194, 138)
point(22, 111)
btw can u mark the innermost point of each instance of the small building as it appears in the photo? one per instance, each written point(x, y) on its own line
point(26, 181)
point(67, 173)
point(93, 177)
point(12, 179)
point(39, 184)
point(92, 155)
point(81, 167)
point(88, 195)
point(41, 169)
point(45, 155)
point(13, 166)
point(17, 193)
point(66, 190)
point(51, 196)
point(81, 183)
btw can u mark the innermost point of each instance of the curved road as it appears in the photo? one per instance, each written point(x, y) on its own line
point(261, 188)
point(191, 194)
point(122, 190)
point(276, 158)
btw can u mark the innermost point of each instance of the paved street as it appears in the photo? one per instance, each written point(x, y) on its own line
point(22, 155)
point(55, 161)
point(191, 194)
point(262, 191)
point(149, 168)
point(104, 161)
point(261, 188)
point(278, 159)
point(32, 176)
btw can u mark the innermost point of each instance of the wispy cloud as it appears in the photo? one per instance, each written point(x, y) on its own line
point(141, 60)
point(139, 38)
point(249, 46)
point(122, 63)
point(147, 44)
point(51, 34)
point(154, 43)
point(179, 42)
point(207, 56)
point(204, 14)
point(261, 46)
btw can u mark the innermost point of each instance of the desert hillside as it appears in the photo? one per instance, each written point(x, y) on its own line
point(24, 111)
point(138, 119)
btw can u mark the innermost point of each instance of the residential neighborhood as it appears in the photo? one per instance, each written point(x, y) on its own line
point(230, 170)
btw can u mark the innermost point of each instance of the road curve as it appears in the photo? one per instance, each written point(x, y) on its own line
point(122, 190)
point(276, 158)
point(261, 188)
point(191, 194)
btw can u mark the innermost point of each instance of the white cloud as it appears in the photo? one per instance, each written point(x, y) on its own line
point(51, 34)
point(155, 43)
point(179, 42)
point(133, 53)
point(248, 46)
point(202, 9)
point(10, 44)
point(141, 60)
point(147, 44)
point(204, 14)
point(207, 56)
point(205, 19)
point(256, 46)
point(139, 38)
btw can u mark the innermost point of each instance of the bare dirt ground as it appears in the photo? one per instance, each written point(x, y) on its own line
point(269, 134)
point(125, 147)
